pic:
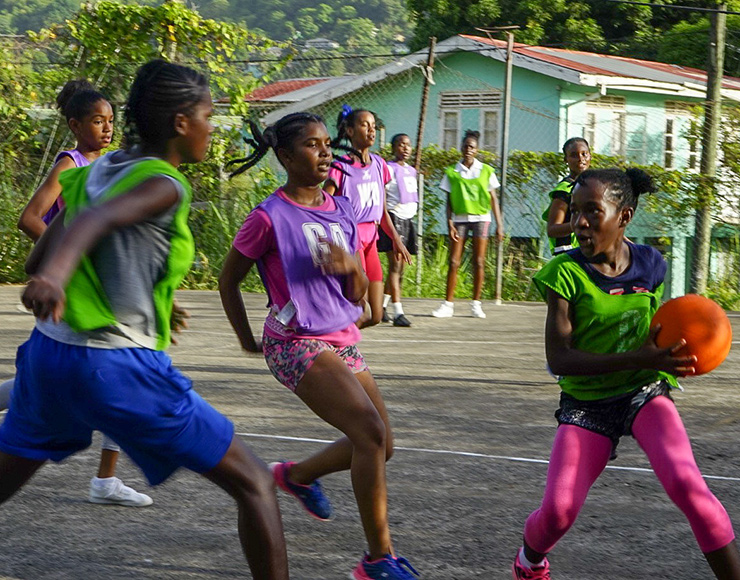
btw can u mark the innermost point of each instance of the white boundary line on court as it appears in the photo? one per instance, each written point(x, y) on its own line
point(468, 454)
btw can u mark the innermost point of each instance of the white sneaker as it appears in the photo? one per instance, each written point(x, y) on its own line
point(476, 310)
point(444, 310)
point(111, 490)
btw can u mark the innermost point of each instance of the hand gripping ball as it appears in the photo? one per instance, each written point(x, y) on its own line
point(702, 323)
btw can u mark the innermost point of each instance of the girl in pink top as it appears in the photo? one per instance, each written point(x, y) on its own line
point(363, 181)
point(306, 246)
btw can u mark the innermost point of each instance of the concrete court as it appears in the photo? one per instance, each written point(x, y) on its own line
point(471, 405)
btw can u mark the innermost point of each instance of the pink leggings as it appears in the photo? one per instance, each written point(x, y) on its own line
point(579, 456)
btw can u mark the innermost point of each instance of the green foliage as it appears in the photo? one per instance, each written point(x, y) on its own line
point(109, 40)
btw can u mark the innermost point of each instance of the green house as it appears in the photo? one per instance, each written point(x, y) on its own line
point(643, 111)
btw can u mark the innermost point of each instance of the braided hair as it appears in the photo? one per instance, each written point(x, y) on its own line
point(573, 141)
point(346, 118)
point(622, 187)
point(281, 135)
point(76, 99)
point(160, 91)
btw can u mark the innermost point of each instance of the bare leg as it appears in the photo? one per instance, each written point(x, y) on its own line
point(246, 478)
point(107, 465)
point(725, 562)
point(456, 250)
point(5, 389)
point(479, 265)
point(14, 473)
point(374, 298)
point(395, 277)
point(352, 404)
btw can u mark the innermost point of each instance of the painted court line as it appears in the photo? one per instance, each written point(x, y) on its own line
point(467, 454)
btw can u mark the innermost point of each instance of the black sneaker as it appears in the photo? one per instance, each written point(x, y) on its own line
point(385, 318)
point(401, 320)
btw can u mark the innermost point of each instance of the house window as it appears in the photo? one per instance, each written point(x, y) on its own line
point(489, 134)
point(450, 129)
point(589, 130)
point(451, 105)
point(669, 143)
point(681, 145)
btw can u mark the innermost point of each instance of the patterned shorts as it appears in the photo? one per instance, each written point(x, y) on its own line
point(612, 417)
point(289, 360)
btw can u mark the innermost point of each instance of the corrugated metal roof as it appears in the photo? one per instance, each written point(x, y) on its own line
point(609, 65)
point(293, 90)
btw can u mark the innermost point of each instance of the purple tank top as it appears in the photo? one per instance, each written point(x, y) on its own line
point(365, 188)
point(408, 189)
point(300, 233)
point(80, 161)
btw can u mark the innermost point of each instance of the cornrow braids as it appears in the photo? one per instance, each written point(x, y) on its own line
point(161, 90)
point(76, 99)
point(278, 136)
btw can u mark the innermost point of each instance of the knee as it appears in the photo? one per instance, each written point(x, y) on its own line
point(375, 317)
point(255, 484)
point(479, 262)
point(454, 264)
point(370, 431)
point(685, 484)
point(559, 517)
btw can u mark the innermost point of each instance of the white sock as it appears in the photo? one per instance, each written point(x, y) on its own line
point(449, 304)
point(476, 303)
point(102, 481)
point(526, 563)
point(386, 300)
point(398, 308)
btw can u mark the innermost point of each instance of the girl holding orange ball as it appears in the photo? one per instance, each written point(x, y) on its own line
point(615, 380)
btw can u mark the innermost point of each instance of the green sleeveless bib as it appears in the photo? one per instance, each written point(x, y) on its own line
point(87, 306)
point(470, 196)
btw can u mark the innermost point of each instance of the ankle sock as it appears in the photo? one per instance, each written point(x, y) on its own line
point(386, 300)
point(398, 309)
point(526, 563)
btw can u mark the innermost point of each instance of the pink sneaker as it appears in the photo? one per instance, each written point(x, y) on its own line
point(541, 572)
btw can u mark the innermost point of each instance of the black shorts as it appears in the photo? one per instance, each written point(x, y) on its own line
point(405, 228)
point(612, 417)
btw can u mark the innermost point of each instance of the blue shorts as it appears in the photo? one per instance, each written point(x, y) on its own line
point(134, 395)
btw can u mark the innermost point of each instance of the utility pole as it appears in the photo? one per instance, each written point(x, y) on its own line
point(428, 81)
point(506, 121)
point(709, 142)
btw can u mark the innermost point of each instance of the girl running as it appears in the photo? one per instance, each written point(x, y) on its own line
point(577, 156)
point(90, 119)
point(362, 179)
point(102, 295)
point(402, 200)
point(471, 195)
point(615, 381)
point(306, 244)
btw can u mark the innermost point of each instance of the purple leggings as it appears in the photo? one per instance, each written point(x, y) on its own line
point(579, 456)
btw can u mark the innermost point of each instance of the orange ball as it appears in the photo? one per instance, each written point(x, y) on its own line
point(702, 323)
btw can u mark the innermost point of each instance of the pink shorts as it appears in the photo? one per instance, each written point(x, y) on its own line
point(289, 360)
point(368, 232)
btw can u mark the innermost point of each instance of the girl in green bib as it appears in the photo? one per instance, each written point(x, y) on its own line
point(471, 197)
point(577, 156)
point(615, 380)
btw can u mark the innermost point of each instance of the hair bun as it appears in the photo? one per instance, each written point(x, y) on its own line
point(641, 181)
point(70, 89)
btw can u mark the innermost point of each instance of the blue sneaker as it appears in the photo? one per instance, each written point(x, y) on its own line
point(387, 568)
point(312, 497)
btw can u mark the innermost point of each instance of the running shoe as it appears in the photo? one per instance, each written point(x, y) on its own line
point(541, 572)
point(312, 497)
point(112, 491)
point(401, 320)
point(387, 568)
point(385, 318)
point(444, 310)
point(476, 310)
